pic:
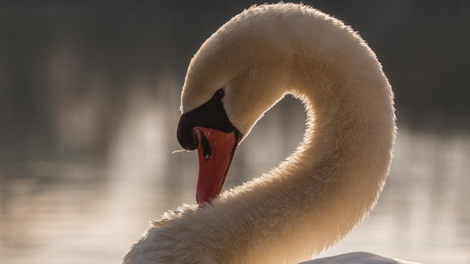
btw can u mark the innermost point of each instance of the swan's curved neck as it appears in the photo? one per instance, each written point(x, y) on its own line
point(329, 184)
point(314, 198)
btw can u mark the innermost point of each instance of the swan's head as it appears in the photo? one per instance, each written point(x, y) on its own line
point(236, 75)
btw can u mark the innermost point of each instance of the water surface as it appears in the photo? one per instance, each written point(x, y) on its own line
point(92, 210)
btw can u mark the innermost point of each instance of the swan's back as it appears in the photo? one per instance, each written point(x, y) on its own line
point(357, 258)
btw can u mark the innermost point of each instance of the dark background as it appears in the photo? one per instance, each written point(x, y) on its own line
point(56, 57)
point(89, 104)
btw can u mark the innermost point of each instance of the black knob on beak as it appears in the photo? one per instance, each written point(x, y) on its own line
point(185, 133)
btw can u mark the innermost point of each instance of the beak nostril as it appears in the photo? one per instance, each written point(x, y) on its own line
point(206, 147)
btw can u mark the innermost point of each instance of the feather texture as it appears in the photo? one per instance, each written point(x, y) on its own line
point(315, 197)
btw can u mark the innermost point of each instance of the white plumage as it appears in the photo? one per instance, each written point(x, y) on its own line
point(315, 197)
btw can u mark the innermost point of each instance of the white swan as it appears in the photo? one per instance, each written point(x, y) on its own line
point(317, 196)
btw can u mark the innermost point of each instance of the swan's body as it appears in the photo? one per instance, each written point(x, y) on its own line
point(317, 196)
point(357, 258)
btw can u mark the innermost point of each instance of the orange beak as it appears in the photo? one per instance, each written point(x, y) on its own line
point(215, 153)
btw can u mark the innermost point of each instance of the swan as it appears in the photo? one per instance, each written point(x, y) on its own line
point(319, 193)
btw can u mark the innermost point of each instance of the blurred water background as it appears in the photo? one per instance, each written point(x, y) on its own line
point(89, 97)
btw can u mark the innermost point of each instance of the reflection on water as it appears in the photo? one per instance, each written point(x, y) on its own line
point(91, 212)
point(423, 213)
point(88, 116)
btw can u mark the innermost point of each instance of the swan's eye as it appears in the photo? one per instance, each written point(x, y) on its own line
point(219, 94)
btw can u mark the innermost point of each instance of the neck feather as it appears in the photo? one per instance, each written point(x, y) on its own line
point(315, 197)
